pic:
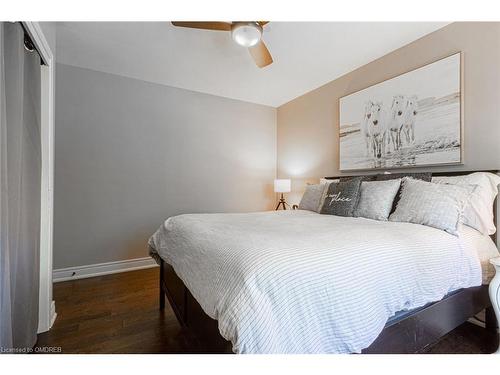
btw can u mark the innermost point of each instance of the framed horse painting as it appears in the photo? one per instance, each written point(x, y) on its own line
point(412, 120)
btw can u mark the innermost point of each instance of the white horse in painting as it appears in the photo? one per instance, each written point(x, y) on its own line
point(396, 121)
point(377, 129)
point(411, 113)
point(364, 127)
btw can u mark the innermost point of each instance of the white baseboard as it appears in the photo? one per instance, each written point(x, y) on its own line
point(53, 314)
point(476, 322)
point(91, 270)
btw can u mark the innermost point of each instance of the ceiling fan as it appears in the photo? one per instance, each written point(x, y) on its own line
point(247, 34)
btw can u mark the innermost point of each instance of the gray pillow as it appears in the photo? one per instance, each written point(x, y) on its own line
point(424, 176)
point(341, 198)
point(436, 205)
point(376, 197)
point(312, 198)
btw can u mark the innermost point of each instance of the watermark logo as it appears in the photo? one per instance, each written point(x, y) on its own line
point(28, 350)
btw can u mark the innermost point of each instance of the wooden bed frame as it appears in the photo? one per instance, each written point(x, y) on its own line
point(412, 333)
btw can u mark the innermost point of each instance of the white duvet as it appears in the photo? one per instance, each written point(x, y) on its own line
point(300, 282)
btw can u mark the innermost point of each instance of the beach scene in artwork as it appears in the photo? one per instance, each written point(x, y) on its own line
point(411, 120)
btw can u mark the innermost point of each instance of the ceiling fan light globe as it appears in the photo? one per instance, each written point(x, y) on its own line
point(246, 35)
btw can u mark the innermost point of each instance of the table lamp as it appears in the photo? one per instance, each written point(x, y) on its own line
point(282, 186)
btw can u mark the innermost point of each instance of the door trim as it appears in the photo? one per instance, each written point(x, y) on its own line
point(46, 312)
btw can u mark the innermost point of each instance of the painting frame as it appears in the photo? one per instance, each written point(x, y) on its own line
point(461, 117)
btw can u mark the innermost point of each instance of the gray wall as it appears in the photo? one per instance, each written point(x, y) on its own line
point(308, 125)
point(129, 154)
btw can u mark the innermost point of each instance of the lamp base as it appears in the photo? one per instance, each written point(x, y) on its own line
point(281, 203)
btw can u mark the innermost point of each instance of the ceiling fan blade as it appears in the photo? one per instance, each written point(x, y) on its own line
point(260, 54)
point(262, 23)
point(206, 25)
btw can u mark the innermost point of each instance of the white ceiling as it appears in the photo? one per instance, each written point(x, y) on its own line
point(306, 54)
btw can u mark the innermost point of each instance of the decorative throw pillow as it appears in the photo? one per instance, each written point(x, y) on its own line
point(424, 176)
point(341, 198)
point(376, 198)
point(326, 182)
point(478, 214)
point(312, 198)
point(436, 205)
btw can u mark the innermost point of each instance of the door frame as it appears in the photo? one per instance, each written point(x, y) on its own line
point(47, 309)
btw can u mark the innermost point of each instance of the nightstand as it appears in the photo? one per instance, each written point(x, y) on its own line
point(495, 291)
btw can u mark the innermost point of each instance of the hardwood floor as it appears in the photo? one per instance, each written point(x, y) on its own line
point(115, 314)
point(119, 314)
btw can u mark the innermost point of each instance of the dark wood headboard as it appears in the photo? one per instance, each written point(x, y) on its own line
point(449, 173)
point(452, 173)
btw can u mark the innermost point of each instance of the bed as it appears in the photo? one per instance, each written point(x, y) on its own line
point(272, 283)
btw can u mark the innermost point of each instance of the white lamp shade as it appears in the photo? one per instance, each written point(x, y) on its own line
point(282, 185)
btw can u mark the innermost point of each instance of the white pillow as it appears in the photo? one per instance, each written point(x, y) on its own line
point(435, 205)
point(325, 181)
point(478, 214)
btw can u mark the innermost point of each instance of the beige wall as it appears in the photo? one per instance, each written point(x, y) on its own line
point(129, 154)
point(308, 125)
